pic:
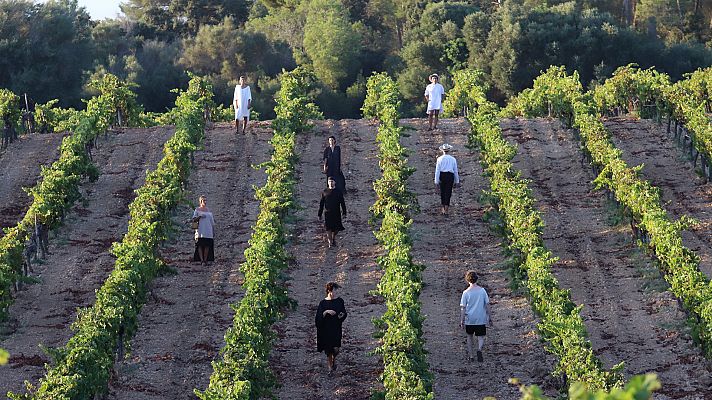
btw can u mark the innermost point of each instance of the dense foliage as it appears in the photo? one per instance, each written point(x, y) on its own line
point(243, 371)
point(561, 325)
point(82, 367)
point(405, 373)
point(58, 188)
point(661, 235)
point(52, 49)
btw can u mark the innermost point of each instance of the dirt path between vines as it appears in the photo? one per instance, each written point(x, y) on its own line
point(448, 247)
point(20, 166)
point(666, 166)
point(300, 369)
point(628, 314)
point(181, 330)
point(79, 261)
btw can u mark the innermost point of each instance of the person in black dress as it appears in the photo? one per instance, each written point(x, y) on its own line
point(329, 317)
point(331, 199)
point(332, 164)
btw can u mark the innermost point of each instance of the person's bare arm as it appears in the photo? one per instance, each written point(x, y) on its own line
point(488, 310)
point(462, 316)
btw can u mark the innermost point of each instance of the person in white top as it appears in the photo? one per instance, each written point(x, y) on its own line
point(242, 101)
point(446, 176)
point(475, 314)
point(204, 234)
point(434, 95)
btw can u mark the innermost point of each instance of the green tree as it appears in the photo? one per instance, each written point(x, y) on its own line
point(331, 43)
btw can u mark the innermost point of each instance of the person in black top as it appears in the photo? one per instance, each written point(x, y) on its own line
point(331, 199)
point(332, 164)
point(329, 317)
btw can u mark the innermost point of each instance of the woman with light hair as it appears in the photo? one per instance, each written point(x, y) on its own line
point(446, 176)
point(204, 225)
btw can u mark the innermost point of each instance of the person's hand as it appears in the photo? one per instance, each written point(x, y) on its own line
point(462, 324)
point(341, 315)
point(319, 217)
point(490, 324)
point(344, 215)
point(457, 185)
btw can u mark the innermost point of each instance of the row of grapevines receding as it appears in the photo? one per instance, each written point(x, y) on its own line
point(82, 367)
point(58, 188)
point(650, 94)
point(561, 325)
point(406, 374)
point(679, 264)
point(243, 371)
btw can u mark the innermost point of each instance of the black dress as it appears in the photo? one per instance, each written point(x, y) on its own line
point(328, 329)
point(332, 160)
point(331, 199)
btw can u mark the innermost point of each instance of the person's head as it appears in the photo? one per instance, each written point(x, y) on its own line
point(332, 140)
point(471, 276)
point(331, 288)
point(202, 201)
point(445, 148)
point(331, 182)
point(243, 80)
point(434, 78)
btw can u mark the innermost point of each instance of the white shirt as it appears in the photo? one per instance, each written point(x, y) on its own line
point(206, 223)
point(446, 163)
point(473, 301)
point(242, 96)
point(435, 93)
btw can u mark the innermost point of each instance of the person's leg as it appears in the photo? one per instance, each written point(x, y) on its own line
point(470, 353)
point(244, 124)
point(435, 118)
point(430, 120)
point(480, 342)
point(481, 332)
point(201, 254)
point(333, 358)
point(237, 125)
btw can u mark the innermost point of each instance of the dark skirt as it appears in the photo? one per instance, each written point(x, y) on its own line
point(447, 180)
point(332, 221)
point(204, 242)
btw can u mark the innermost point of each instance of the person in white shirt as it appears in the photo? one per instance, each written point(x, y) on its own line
point(475, 314)
point(446, 176)
point(434, 95)
point(204, 234)
point(242, 101)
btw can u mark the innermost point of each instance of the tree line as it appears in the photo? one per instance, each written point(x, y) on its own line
point(53, 49)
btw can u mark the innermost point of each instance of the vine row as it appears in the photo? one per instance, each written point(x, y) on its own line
point(82, 367)
point(243, 371)
point(561, 324)
point(406, 373)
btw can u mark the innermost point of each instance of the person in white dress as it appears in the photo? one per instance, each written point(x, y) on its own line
point(434, 95)
point(242, 100)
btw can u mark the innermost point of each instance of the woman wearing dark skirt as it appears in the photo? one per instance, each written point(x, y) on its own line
point(329, 317)
point(332, 164)
point(331, 199)
point(204, 244)
point(446, 176)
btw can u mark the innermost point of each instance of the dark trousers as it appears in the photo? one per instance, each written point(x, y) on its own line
point(447, 180)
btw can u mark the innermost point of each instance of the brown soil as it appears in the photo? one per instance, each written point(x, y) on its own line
point(684, 192)
point(79, 261)
point(448, 247)
point(181, 328)
point(20, 166)
point(300, 369)
point(628, 314)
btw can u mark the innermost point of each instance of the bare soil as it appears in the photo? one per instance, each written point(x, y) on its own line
point(181, 327)
point(448, 247)
point(628, 314)
point(20, 166)
point(302, 371)
point(79, 261)
point(666, 166)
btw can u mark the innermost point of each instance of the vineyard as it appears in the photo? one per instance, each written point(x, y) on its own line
point(586, 214)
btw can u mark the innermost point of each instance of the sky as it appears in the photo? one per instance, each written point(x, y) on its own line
point(100, 9)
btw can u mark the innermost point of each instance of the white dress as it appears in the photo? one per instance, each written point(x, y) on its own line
point(435, 93)
point(242, 97)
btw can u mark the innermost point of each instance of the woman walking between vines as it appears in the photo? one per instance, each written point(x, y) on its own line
point(330, 315)
point(446, 176)
point(204, 225)
point(331, 200)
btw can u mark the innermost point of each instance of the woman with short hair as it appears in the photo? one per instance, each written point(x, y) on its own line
point(330, 315)
point(204, 233)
